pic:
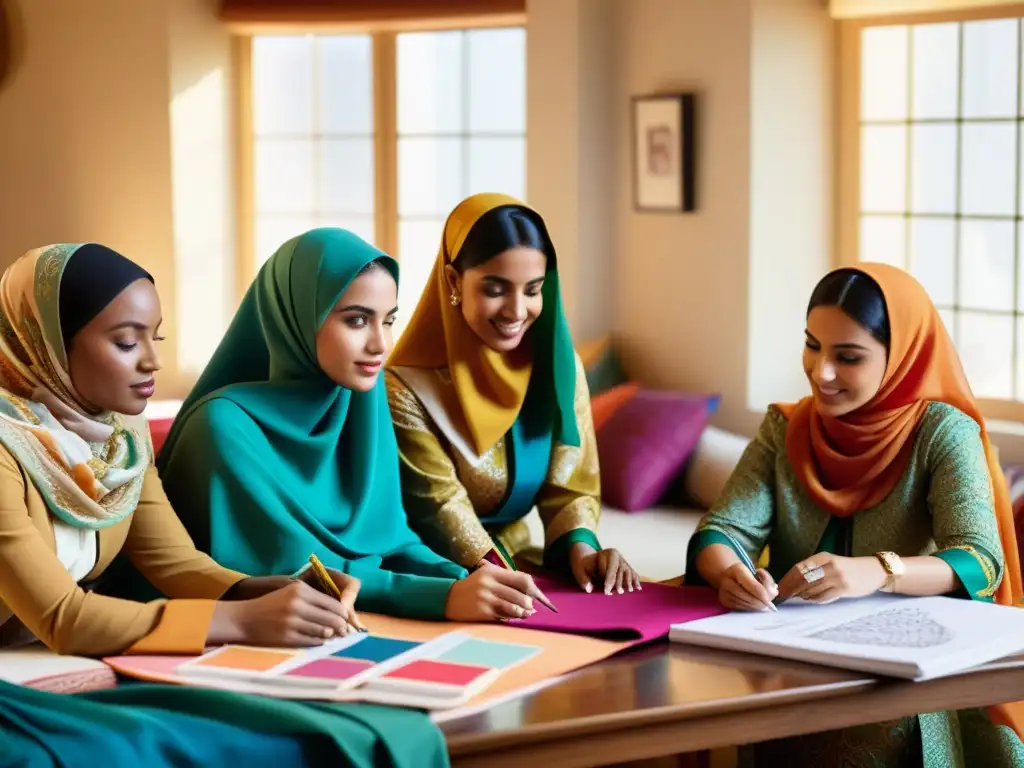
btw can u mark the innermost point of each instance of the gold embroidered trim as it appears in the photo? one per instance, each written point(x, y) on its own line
point(987, 568)
point(581, 512)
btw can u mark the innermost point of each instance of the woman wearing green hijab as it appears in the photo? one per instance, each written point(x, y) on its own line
point(285, 447)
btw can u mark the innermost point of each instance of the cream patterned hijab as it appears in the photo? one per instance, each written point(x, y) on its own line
point(88, 466)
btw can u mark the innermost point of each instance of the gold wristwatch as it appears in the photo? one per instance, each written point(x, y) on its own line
point(893, 568)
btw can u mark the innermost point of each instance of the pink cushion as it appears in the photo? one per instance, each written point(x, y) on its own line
point(158, 429)
point(645, 443)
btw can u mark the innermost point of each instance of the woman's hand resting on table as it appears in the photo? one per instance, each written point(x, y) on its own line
point(606, 567)
point(825, 577)
point(287, 613)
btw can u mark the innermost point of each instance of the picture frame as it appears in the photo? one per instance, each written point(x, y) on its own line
point(664, 153)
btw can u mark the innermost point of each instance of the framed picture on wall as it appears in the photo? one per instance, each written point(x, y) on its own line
point(664, 153)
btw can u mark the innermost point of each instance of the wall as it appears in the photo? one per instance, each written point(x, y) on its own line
point(86, 137)
point(681, 301)
point(709, 301)
point(572, 148)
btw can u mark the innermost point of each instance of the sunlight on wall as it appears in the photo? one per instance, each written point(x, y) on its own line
point(203, 242)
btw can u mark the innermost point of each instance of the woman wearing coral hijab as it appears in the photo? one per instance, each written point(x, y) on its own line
point(490, 403)
point(883, 479)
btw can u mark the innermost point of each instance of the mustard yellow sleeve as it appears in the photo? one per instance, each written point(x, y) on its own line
point(37, 588)
point(436, 502)
point(160, 547)
point(569, 501)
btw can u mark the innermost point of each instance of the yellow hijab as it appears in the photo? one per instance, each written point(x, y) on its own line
point(491, 386)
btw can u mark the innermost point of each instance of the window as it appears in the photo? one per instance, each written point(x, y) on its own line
point(383, 134)
point(312, 124)
point(938, 178)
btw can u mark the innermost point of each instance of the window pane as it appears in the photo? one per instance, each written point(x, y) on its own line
point(430, 176)
point(933, 168)
point(283, 175)
point(274, 231)
point(883, 160)
point(932, 246)
point(418, 244)
point(986, 350)
point(345, 84)
point(497, 80)
point(430, 82)
point(986, 264)
point(988, 163)
point(346, 176)
point(358, 225)
point(883, 239)
point(990, 68)
point(936, 75)
point(497, 165)
point(883, 73)
point(282, 85)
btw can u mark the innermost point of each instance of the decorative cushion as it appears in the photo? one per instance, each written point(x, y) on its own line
point(645, 443)
point(710, 465)
point(602, 366)
point(604, 405)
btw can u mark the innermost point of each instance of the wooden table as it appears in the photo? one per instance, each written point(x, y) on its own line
point(667, 699)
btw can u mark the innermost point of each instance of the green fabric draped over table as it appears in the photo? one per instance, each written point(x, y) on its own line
point(157, 725)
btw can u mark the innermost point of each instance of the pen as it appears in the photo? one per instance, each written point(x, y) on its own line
point(770, 606)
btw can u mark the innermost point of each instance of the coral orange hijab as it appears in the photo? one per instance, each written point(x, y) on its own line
point(852, 463)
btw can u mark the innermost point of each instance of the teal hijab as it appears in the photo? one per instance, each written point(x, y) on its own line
point(269, 460)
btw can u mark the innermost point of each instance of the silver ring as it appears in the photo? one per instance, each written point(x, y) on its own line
point(813, 574)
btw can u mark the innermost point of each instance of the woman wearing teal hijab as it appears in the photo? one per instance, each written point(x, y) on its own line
point(285, 447)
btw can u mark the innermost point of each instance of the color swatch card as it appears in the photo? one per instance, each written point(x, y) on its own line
point(442, 672)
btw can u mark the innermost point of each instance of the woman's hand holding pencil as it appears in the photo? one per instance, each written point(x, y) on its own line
point(341, 587)
point(491, 593)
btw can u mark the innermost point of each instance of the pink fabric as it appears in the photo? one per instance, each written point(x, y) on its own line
point(636, 617)
point(644, 445)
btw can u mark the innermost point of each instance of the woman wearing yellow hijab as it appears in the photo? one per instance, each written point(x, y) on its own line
point(490, 404)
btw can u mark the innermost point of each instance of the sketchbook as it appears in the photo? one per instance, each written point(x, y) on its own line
point(913, 638)
point(446, 671)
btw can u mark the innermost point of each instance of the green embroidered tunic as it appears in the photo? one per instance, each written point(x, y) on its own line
point(942, 506)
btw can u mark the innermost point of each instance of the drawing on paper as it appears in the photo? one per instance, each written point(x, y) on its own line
point(894, 628)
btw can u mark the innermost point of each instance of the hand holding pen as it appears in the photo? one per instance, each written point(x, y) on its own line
point(742, 589)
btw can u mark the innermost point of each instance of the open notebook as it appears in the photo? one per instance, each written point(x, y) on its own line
point(914, 638)
point(35, 666)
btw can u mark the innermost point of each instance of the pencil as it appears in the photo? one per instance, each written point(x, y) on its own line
point(328, 583)
point(325, 578)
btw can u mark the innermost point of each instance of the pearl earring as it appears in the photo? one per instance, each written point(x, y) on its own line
point(454, 299)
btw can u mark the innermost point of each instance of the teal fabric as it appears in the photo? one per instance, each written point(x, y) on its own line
point(554, 362)
point(529, 444)
point(269, 460)
point(155, 725)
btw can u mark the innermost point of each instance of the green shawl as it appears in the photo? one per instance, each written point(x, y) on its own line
point(269, 460)
point(163, 725)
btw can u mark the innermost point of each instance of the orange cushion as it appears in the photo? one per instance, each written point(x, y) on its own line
point(604, 405)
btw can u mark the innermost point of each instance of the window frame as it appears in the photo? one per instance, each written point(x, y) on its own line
point(846, 242)
point(385, 127)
